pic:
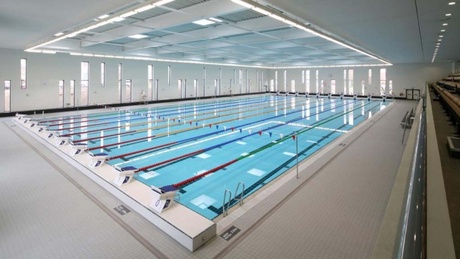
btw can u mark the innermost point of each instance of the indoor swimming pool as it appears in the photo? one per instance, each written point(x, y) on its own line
point(217, 151)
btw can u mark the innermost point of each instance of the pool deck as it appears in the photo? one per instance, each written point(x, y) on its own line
point(333, 210)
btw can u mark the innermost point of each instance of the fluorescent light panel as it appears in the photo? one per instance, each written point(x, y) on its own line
point(204, 22)
point(138, 36)
point(103, 16)
point(214, 19)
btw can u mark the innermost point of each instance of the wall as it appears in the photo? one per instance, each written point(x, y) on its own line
point(403, 76)
point(45, 70)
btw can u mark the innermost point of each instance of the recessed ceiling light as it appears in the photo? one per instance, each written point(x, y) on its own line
point(451, 3)
point(443, 30)
point(439, 39)
point(440, 36)
point(116, 19)
point(444, 24)
point(448, 14)
point(138, 36)
point(203, 22)
point(215, 19)
point(59, 34)
point(103, 16)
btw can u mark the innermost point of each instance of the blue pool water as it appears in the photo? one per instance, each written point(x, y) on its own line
point(248, 139)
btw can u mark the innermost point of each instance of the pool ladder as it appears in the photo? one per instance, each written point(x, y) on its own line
point(226, 203)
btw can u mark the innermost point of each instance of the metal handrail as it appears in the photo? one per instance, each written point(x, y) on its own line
point(240, 199)
point(413, 226)
point(225, 208)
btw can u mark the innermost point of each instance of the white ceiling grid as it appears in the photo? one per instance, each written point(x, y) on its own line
point(245, 36)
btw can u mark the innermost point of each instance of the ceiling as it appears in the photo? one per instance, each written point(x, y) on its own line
point(393, 30)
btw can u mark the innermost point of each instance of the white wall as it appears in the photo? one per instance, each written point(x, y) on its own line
point(44, 72)
point(403, 76)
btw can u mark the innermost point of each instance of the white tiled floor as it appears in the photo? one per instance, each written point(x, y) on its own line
point(50, 210)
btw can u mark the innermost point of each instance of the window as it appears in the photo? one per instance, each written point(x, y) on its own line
point(285, 80)
point(363, 87)
point(61, 93)
point(102, 74)
point(7, 89)
point(350, 81)
point(344, 81)
point(333, 86)
point(369, 82)
point(120, 82)
point(128, 90)
point(23, 78)
point(322, 86)
point(293, 86)
point(72, 93)
point(307, 81)
point(276, 81)
point(84, 90)
point(390, 87)
point(383, 79)
point(240, 81)
point(169, 75)
point(204, 81)
point(195, 87)
point(150, 82)
point(317, 81)
point(248, 82)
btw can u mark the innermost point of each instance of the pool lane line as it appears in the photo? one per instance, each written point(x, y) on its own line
point(193, 128)
point(173, 125)
point(255, 151)
point(144, 110)
point(193, 153)
point(196, 152)
point(194, 138)
point(139, 123)
point(176, 146)
point(174, 132)
point(152, 128)
point(260, 181)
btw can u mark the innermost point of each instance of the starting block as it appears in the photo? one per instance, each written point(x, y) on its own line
point(369, 97)
point(97, 159)
point(125, 175)
point(355, 96)
point(163, 197)
point(20, 116)
point(77, 148)
point(341, 96)
point(51, 133)
point(329, 96)
point(61, 140)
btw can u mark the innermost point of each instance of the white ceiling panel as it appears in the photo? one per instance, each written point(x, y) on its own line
point(397, 31)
